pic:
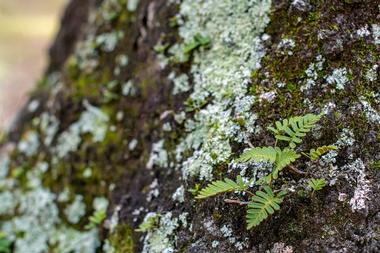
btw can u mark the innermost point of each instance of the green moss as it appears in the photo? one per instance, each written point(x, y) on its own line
point(122, 239)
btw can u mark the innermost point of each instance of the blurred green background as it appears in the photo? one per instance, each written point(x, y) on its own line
point(26, 29)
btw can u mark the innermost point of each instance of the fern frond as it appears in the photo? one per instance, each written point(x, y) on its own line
point(284, 158)
point(375, 165)
point(263, 204)
point(315, 154)
point(96, 219)
point(294, 129)
point(221, 186)
point(149, 223)
point(317, 184)
point(259, 154)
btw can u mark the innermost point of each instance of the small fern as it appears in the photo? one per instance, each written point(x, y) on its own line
point(375, 165)
point(317, 184)
point(148, 223)
point(263, 204)
point(316, 153)
point(281, 158)
point(195, 43)
point(259, 154)
point(294, 129)
point(266, 202)
point(96, 219)
point(5, 244)
point(221, 186)
point(284, 158)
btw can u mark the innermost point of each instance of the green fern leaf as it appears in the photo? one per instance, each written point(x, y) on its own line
point(221, 186)
point(317, 184)
point(96, 219)
point(149, 223)
point(263, 204)
point(259, 154)
point(315, 154)
point(5, 244)
point(294, 129)
point(283, 159)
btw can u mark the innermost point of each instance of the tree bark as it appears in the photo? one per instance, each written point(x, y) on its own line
point(109, 126)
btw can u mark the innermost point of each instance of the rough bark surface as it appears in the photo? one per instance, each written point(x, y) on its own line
point(105, 125)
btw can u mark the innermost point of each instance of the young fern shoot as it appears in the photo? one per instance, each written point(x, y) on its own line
point(263, 204)
point(314, 154)
point(317, 184)
point(294, 129)
point(222, 186)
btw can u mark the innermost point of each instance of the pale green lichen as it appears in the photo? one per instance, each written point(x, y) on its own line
point(312, 73)
point(179, 194)
point(108, 41)
point(158, 156)
point(285, 46)
point(371, 114)
point(339, 78)
point(371, 74)
point(221, 74)
point(29, 144)
point(132, 5)
point(161, 239)
point(49, 125)
point(75, 211)
point(34, 224)
point(181, 83)
point(129, 89)
point(92, 121)
point(376, 33)
point(132, 144)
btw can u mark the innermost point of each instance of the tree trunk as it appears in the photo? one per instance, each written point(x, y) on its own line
point(145, 102)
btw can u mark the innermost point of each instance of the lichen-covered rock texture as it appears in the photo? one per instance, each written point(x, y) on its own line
point(146, 101)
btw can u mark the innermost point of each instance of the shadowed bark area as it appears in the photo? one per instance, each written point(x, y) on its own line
point(72, 24)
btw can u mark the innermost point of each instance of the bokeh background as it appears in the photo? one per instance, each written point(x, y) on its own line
point(26, 29)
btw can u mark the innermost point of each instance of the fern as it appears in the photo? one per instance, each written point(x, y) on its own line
point(96, 219)
point(148, 223)
point(266, 202)
point(375, 165)
point(196, 42)
point(284, 158)
point(263, 204)
point(220, 186)
point(5, 244)
point(317, 184)
point(315, 154)
point(294, 129)
point(281, 158)
point(264, 154)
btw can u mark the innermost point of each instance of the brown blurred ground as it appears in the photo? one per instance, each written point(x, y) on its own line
point(26, 28)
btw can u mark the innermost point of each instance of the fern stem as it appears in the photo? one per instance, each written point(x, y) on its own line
point(294, 169)
point(249, 192)
point(303, 153)
point(236, 201)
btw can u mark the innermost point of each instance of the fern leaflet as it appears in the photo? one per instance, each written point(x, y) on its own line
point(263, 204)
point(294, 129)
point(259, 154)
point(315, 154)
point(96, 219)
point(317, 184)
point(284, 158)
point(149, 223)
point(221, 186)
